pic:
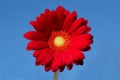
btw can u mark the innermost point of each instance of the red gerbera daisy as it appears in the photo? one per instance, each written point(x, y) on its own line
point(59, 39)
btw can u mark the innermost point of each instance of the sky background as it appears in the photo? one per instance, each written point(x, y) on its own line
point(101, 63)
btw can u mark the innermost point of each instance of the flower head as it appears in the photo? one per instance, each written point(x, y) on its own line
point(59, 39)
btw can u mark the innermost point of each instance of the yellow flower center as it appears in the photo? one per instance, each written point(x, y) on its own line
point(59, 41)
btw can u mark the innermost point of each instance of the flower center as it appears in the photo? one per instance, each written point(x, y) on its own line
point(59, 40)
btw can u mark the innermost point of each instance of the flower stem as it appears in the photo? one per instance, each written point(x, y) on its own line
point(55, 75)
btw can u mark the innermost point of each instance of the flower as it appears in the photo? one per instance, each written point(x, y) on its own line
point(59, 39)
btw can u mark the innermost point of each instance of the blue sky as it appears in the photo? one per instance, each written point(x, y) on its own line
point(101, 63)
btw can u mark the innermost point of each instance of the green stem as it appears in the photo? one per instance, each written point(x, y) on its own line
point(55, 75)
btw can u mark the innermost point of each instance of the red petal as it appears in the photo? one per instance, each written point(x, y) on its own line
point(82, 36)
point(47, 11)
point(58, 62)
point(85, 22)
point(84, 41)
point(35, 25)
point(86, 49)
point(78, 62)
point(53, 21)
point(76, 25)
point(80, 44)
point(40, 55)
point(42, 23)
point(49, 57)
point(59, 58)
point(48, 67)
point(54, 65)
point(36, 53)
point(61, 16)
point(67, 12)
point(69, 67)
point(32, 35)
point(60, 11)
point(35, 45)
point(81, 30)
point(89, 28)
point(61, 68)
point(76, 54)
point(67, 58)
point(69, 20)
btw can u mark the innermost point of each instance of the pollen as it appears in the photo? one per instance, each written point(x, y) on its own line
point(59, 41)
